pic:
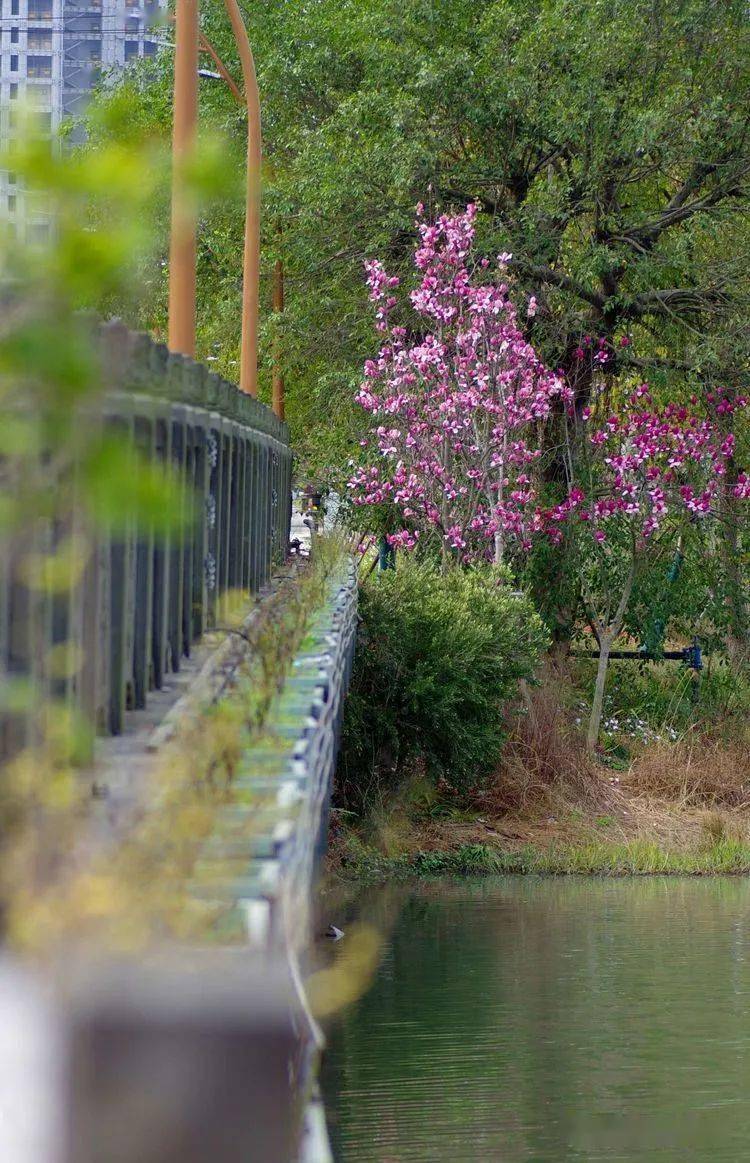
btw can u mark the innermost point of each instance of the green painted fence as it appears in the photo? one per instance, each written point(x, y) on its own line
point(144, 599)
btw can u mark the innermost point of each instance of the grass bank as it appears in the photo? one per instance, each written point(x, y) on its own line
point(668, 793)
point(599, 858)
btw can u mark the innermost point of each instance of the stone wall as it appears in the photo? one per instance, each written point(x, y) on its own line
point(289, 775)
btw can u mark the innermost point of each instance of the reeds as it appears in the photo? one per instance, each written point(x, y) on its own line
point(696, 771)
point(545, 750)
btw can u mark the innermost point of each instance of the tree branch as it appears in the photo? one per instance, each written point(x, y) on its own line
point(668, 364)
point(545, 274)
point(679, 209)
point(667, 298)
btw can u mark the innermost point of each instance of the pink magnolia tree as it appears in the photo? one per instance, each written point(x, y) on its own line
point(458, 400)
point(641, 476)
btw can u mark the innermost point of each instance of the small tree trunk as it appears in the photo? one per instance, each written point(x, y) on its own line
point(606, 634)
point(499, 539)
point(738, 629)
point(595, 720)
point(559, 651)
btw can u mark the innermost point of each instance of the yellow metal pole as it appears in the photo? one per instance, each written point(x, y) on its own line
point(251, 261)
point(182, 245)
point(278, 308)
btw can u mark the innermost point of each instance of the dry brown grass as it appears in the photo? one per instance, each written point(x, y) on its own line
point(694, 772)
point(544, 752)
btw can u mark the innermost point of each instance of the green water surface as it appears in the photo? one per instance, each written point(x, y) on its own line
point(522, 1019)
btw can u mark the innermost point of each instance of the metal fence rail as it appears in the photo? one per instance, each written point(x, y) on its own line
point(144, 597)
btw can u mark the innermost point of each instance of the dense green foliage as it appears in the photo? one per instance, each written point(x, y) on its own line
point(607, 146)
point(438, 657)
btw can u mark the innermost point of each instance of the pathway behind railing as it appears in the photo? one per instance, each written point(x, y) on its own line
point(144, 597)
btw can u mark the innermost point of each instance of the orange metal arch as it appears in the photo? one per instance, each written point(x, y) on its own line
point(182, 251)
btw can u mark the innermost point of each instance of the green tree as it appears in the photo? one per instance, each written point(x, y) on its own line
point(607, 143)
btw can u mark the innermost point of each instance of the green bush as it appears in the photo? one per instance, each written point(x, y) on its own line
point(439, 654)
point(648, 701)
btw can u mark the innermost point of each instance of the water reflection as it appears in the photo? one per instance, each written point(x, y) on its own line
point(550, 1020)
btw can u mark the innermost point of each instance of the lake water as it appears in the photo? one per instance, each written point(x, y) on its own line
point(549, 1020)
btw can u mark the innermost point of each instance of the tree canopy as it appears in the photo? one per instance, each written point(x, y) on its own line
point(606, 145)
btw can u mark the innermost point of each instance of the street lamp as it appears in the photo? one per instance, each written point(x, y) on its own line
point(182, 244)
point(278, 308)
point(182, 250)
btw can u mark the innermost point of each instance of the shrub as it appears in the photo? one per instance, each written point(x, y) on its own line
point(439, 655)
point(545, 750)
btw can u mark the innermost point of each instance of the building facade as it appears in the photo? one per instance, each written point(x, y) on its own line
point(52, 53)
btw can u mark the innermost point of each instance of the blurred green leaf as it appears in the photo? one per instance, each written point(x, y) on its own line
point(121, 488)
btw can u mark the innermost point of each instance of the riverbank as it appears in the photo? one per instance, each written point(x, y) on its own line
point(355, 860)
point(668, 793)
point(632, 837)
point(665, 806)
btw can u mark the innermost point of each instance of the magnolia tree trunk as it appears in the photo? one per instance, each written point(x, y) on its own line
point(499, 539)
point(738, 629)
point(606, 632)
point(595, 719)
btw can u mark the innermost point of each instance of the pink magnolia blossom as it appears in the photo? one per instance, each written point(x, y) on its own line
point(457, 403)
point(651, 463)
point(741, 489)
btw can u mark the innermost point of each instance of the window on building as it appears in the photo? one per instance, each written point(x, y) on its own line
point(40, 9)
point(95, 50)
point(39, 39)
point(11, 178)
point(131, 49)
point(13, 90)
point(91, 22)
point(40, 96)
point(14, 64)
point(132, 25)
point(37, 232)
point(43, 123)
point(14, 32)
point(14, 7)
point(149, 48)
point(11, 203)
point(38, 66)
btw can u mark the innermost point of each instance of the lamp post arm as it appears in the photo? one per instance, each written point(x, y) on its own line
point(206, 46)
point(182, 246)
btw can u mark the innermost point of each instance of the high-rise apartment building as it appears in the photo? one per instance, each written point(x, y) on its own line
point(52, 52)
